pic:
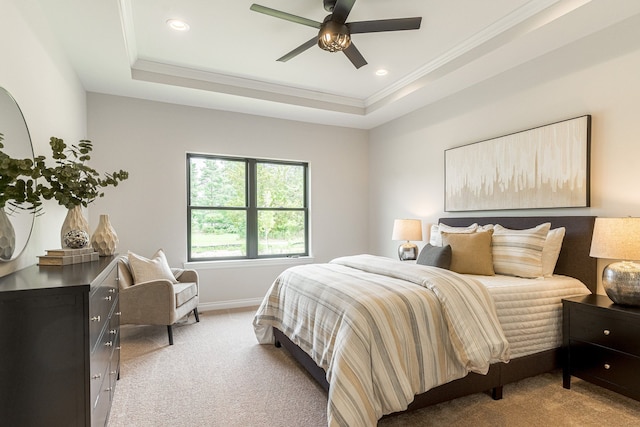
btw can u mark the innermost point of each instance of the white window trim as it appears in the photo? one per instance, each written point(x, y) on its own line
point(254, 262)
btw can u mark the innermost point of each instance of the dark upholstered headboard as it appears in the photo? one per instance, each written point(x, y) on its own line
point(574, 259)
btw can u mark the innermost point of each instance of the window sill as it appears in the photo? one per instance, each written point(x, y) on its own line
point(237, 263)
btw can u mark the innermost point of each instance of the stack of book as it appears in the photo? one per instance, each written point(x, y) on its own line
point(68, 256)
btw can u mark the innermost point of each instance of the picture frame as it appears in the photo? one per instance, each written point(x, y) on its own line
point(544, 167)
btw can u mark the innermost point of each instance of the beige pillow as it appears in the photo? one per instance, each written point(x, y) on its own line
point(470, 253)
point(551, 250)
point(519, 252)
point(435, 237)
point(145, 270)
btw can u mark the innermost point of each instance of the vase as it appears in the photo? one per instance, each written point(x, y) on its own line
point(104, 239)
point(74, 220)
point(7, 237)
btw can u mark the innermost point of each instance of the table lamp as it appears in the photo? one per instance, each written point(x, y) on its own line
point(619, 238)
point(407, 229)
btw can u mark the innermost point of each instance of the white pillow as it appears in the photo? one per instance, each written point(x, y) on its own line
point(145, 270)
point(519, 252)
point(435, 238)
point(551, 250)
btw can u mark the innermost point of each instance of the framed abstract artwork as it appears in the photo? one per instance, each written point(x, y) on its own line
point(544, 167)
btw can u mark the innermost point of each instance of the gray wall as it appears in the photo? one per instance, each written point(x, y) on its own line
point(51, 98)
point(597, 76)
point(148, 211)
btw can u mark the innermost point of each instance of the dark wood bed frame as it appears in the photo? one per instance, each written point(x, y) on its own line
point(574, 261)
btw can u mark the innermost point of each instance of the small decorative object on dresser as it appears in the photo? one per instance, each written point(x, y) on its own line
point(68, 256)
point(407, 229)
point(76, 239)
point(104, 239)
point(619, 238)
point(7, 236)
point(601, 343)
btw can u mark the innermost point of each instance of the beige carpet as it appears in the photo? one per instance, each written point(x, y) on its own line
point(217, 375)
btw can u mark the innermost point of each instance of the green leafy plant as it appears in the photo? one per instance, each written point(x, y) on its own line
point(18, 189)
point(71, 181)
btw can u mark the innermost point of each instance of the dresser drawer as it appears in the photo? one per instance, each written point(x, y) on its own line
point(99, 365)
point(599, 364)
point(602, 327)
point(102, 353)
point(101, 302)
point(101, 404)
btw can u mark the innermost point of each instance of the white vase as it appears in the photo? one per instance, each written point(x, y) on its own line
point(73, 221)
point(7, 237)
point(104, 239)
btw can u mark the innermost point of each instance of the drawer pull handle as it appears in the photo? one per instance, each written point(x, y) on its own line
point(118, 313)
point(107, 298)
point(96, 377)
point(118, 348)
point(113, 331)
point(108, 343)
point(607, 366)
point(95, 319)
point(606, 332)
point(112, 291)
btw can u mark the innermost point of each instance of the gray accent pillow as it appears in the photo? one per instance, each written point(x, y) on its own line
point(436, 256)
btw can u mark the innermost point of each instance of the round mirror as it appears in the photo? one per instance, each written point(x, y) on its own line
point(17, 144)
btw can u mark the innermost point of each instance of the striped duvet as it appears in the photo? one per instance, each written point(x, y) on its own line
point(382, 330)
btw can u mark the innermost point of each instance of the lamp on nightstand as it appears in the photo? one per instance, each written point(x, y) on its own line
point(407, 229)
point(619, 238)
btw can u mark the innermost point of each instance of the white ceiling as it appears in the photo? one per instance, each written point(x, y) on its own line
point(227, 60)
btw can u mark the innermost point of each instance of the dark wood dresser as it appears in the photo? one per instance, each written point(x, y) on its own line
point(59, 344)
point(602, 343)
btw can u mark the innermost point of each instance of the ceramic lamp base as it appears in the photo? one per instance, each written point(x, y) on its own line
point(407, 252)
point(621, 282)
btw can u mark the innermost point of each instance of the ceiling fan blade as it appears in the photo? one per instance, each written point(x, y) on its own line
point(341, 10)
point(355, 56)
point(286, 16)
point(384, 25)
point(297, 51)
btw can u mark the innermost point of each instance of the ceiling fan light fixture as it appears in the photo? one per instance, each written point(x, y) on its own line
point(334, 37)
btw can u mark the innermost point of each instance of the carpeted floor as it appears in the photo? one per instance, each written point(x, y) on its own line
point(217, 374)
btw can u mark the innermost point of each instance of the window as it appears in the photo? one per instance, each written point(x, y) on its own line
point(246, 208)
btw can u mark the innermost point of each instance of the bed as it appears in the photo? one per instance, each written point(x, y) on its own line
point(453, 379)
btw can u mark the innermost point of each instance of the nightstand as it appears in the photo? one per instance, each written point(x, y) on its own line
point(602, 343)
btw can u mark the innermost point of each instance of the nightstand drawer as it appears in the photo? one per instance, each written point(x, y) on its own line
point(602, 327)
point(597, 364)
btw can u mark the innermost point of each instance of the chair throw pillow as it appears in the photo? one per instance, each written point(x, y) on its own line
point(436, 256)
point(145, 269)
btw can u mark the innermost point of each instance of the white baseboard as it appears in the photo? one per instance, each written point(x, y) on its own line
point(225, 305)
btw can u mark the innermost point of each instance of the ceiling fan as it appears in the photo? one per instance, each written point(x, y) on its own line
point(335, 32)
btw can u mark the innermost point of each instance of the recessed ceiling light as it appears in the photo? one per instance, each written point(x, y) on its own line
point(178, 25)
point(382, 72)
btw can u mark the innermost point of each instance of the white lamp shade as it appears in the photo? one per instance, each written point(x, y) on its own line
point(407, 229)
point(616, 238)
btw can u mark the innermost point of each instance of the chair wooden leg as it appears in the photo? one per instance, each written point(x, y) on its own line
point(170, 332)
point(195, 313)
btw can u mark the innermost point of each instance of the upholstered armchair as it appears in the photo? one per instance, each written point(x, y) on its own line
point(157, 301)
